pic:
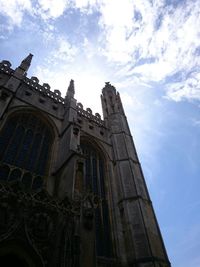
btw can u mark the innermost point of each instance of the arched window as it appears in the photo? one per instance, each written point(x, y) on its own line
point(95, 180)
point(25, 142)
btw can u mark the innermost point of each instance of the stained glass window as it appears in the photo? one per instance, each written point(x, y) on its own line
point(95, 179)
point(25, 142)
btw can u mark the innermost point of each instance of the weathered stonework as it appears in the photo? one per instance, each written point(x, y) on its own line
point(85, 203)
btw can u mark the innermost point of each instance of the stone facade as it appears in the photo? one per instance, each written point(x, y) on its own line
point(71, 185)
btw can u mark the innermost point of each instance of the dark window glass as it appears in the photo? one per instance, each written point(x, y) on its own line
point(25, 142)
point(101, 176)
point(15, 175)
point(14, 145)
point(95, 180)
point(27, 180)
point(4, 172)
point(88, 171)
point(41, 166)
point(32, 158)
point(5, 136)
point(37, 183)
point(99, 233)
point(106, 224)
point(24, 149)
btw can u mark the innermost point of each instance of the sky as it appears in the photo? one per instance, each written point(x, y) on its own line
point(150, 51)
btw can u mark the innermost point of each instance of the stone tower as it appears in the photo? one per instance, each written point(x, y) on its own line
point(72, 192)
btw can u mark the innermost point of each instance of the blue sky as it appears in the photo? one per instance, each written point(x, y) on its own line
point(148, 49)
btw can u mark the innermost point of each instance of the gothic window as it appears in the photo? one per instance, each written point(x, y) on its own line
point(25, 143)
point(95, 180)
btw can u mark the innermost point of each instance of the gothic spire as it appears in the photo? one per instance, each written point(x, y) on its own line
point(24, 66)
point(71, 90)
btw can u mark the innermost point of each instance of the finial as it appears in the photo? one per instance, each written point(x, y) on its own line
point(70, 90)
point(24, 66)
point(109, 88)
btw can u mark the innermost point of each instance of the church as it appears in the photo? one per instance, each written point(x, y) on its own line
point(72, 191)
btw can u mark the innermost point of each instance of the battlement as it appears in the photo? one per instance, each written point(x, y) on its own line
point(5, 66)
point(44, 89)
point(33, 83)
point(88, 114)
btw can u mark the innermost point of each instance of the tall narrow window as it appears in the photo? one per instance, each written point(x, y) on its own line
point(95, 180)
point(25, 142)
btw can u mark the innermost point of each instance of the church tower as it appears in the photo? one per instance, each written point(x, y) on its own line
point(72, 191)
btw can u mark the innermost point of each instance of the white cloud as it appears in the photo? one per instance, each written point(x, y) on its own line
point(64, 51)
point(125, 33)
point(167, 36)
point(51, 8)
point(86, 5)
point(14, 10)
point(128, 100)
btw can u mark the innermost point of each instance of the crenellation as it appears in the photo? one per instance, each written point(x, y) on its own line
point(57, 92)
point(44, 89)
point(88, 114)
point(34, 79)
point(5, 66)
point(46, 86)
point(89, 110)
point(79, 105)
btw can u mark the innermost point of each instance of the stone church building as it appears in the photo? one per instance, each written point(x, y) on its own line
point(72, 191)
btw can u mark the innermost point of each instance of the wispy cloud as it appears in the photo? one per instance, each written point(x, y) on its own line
point(187, 89)
point(63, 52)
point(168, 36)
point(196, 122)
